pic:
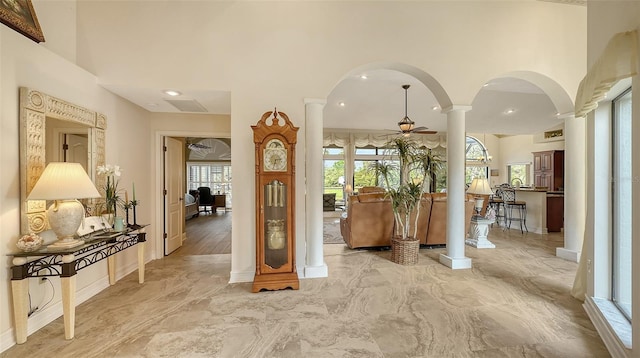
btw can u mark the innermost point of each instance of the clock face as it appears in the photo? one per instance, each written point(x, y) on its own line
point(275, 156)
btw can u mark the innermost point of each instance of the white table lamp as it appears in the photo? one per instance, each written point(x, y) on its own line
point(479, 186)
point(64, 183)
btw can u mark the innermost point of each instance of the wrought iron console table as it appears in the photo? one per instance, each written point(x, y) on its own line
point(65, 263)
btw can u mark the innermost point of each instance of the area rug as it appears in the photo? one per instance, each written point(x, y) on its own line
point(331, 231)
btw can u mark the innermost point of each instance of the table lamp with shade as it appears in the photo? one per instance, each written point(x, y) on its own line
point(64, 183)
point(479, 187)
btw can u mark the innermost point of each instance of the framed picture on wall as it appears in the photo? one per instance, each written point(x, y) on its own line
point(495, 172)
point(20, 16)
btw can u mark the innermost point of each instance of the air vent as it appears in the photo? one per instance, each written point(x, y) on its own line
point(187, 105)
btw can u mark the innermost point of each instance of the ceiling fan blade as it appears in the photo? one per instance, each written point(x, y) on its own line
point(424, 132)
point(197, 146)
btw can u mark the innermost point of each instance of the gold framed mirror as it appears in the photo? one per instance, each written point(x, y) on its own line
point(36, 108)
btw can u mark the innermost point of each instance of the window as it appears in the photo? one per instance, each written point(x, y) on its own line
point(477, 159)
point(621, 189)
point(334, 177)
point(216, 176)
point(364, 167)
point(333, 172)
point(518, 173)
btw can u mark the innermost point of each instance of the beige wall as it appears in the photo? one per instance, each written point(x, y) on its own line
point(25, 63)
point(518, 149)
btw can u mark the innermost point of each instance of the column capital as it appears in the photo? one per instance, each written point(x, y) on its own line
point(321, 101)
point(456, 107)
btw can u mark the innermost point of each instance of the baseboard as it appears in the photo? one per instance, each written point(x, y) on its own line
point(567, 254)
point(243, 276)
point(533, 230)
point(42, 318)
point(615, 346)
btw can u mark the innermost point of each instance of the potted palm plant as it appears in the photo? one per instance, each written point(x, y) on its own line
point(416, 167)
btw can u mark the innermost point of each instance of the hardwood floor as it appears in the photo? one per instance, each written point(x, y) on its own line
point(207, 234)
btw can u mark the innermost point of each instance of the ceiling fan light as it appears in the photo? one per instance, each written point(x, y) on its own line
point(406, 124)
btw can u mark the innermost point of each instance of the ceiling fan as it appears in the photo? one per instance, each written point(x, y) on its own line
point(407, 126)
point(196, 146)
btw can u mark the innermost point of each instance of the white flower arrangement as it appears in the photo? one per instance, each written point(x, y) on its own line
point(111, 187)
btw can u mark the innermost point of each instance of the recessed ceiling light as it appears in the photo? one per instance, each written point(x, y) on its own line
point(364, 77)
point(435, 108)
point(509, 111)
point(172, 93)
point(341, 104)
point(557, 113)
point(485, 85)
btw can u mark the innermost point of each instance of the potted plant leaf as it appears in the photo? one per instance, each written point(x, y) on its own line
point(416, 166)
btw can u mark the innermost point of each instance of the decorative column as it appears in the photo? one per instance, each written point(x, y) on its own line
point(574, 188)
point(314, 265)
point(455, 258)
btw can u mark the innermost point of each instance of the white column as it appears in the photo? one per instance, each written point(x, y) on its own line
point(455, 258)
point(574, 188)
point(315, 265)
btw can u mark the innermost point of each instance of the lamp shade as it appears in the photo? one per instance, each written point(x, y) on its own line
point(348, 189)
point(61, 181)
point(480, 186)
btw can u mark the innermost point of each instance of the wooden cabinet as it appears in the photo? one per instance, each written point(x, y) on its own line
point(219, 201)
point(555, 212)
point(548, 170)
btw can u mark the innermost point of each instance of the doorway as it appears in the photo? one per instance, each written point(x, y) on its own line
point(158, 244)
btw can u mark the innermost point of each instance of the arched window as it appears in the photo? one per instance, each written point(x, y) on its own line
point(477, 160)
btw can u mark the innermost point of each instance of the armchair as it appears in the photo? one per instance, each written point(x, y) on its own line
point(206, 199)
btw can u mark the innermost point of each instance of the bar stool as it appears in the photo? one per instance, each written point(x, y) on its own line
point(510, 202)
point(496, 202)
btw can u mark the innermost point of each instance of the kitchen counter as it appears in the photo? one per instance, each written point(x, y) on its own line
point(545, 209)
point(536, 200)
point(531, 190)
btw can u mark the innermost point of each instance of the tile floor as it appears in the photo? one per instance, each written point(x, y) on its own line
point(514, 302)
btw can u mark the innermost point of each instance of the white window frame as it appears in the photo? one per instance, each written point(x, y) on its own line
point(217, 187)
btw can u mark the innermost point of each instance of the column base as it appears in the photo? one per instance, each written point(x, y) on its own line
point(567, 254)
point(316, 271)
point(455, 263)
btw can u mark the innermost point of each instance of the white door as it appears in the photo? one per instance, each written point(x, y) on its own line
point(173, 200)
point(77, 149)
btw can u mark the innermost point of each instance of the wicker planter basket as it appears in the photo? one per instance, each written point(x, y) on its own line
point(405, 252)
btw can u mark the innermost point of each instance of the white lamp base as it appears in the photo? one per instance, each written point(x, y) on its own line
point(65, 217)
point(66, 244)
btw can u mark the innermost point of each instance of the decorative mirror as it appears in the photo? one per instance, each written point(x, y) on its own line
point(38, 113)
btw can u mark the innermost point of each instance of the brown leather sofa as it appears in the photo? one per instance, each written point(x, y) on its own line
point(369, 220)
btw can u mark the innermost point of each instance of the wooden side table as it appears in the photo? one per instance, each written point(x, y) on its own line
point(65, 263)
point(478, 232)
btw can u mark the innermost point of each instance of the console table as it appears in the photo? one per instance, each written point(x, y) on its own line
point(65, 263)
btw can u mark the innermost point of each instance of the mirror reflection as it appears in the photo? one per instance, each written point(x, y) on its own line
point(54, 130)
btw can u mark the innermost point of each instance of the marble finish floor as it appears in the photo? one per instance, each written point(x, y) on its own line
point(514, 302)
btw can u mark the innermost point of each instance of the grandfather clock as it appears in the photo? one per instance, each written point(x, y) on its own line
point(275, 203)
